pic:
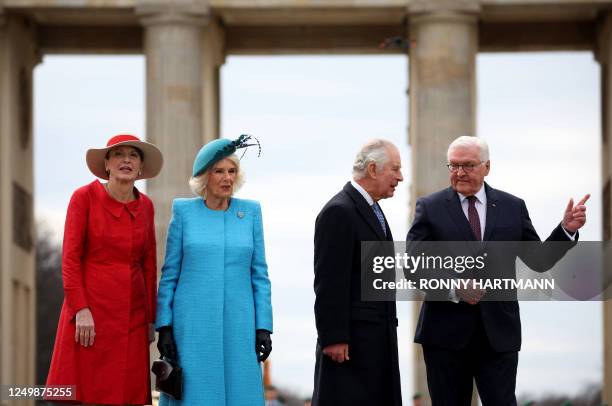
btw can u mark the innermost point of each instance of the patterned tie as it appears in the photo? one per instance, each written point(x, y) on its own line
point(379, 215)
point(473, 217)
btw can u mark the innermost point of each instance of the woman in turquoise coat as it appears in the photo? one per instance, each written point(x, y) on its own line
point(213, 307)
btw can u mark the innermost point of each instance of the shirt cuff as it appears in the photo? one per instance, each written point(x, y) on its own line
point(571, 236)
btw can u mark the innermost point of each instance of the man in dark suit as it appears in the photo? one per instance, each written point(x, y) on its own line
point(356, 354)
point(464, 338)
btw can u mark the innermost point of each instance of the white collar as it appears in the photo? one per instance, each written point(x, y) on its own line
point(481, 195)
point(363, 192)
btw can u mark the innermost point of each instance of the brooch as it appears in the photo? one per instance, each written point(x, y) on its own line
point(240, 214)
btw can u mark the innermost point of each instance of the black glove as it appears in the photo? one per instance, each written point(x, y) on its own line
point(166, 344)
point(263, 345)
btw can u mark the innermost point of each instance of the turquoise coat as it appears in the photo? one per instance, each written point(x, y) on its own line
point(215, 292)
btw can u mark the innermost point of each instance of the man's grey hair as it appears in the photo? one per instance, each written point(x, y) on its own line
point(376, 151)
point(466, 141)
point(198, 183)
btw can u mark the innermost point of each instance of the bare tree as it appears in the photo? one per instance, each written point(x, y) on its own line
point(589, 396)
point(49, 298)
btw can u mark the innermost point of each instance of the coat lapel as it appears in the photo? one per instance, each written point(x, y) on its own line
point(114, 207)
point(365, 210)
point(389, 235)
point(453, 205)
point(492, 199)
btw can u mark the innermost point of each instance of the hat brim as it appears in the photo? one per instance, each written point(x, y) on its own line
point(152, 159)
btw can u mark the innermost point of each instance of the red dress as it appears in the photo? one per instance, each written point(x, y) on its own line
point(108, 265)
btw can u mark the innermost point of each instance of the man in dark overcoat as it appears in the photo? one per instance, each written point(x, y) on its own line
point(356, 353)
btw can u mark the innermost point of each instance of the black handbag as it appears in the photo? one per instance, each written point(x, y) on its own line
point(168, 377)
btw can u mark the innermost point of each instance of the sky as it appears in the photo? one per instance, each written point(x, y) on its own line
point(539, 112)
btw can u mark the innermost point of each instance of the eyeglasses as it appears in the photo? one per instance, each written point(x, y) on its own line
point(469, 167)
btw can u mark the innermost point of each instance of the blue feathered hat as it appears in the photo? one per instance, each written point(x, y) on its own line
point(218, 149)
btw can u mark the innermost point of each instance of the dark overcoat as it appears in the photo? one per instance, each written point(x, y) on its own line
point(371, 376)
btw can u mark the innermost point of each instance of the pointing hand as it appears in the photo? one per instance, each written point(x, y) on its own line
point(575, 216)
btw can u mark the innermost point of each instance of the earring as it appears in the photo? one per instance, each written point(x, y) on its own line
point(140, 172)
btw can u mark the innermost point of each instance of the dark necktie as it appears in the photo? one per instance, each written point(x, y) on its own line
point(473, 217)
point(379, 215)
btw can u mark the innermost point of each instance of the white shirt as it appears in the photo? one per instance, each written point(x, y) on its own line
point(363, 192)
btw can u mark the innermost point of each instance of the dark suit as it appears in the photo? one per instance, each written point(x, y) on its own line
point(371, 376)
point(462, 341)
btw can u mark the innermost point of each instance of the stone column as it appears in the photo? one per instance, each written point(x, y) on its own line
point(442, 98)
point(4, 211)
point(174, 50)
point(18, 56)
point(604, 56)
point(214, 57)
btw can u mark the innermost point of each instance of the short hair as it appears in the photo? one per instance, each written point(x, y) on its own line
point(377, 151)
point(198, 183)
point(466, 141)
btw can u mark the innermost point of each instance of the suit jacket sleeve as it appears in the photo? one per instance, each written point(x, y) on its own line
point(259, 276)
point(75, 236)
point(333, 255)
point(420, 229)
point(171, 269)
point(541, 257)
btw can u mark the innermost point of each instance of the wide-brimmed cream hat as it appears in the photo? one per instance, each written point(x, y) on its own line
point(152, 157)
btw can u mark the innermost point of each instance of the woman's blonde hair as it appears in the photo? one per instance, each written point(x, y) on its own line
point(198, 183)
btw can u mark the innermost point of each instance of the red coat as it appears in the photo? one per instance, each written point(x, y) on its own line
point(108, 265)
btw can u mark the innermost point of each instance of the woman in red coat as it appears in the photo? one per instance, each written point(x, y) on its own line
point(109, 274)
